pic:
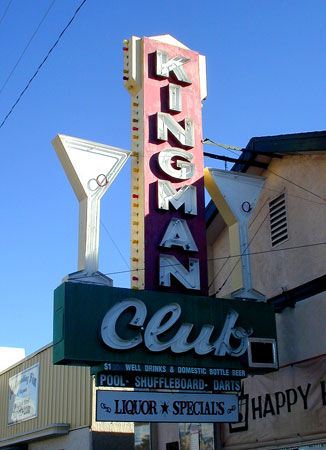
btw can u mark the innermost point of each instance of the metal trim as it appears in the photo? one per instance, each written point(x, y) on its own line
point(274, 364)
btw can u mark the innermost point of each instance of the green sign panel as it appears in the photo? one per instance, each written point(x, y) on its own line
point(96, 324)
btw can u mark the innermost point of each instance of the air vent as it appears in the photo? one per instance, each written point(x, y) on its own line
point(278, 220)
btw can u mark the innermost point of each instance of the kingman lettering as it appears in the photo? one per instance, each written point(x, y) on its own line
point(186, 195)
point(164, 66)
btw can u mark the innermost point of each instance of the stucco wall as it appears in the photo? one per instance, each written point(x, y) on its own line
point(278, 270)
point(274, 270)
point(301, 330)
point(74, 440)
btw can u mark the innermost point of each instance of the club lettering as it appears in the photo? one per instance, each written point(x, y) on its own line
point(162, 321)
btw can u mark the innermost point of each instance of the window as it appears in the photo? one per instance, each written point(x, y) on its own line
point(142, 436)
point(196, 436)
point(278, 220)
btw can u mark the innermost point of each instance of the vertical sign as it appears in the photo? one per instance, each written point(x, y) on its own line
point(167, 82)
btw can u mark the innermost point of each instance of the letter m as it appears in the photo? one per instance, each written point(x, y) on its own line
point(186, 195)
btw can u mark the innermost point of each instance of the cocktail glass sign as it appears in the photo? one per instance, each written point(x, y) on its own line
point(91, 168)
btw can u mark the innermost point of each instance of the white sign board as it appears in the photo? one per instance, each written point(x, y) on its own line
point(284, 407)
point(23, 395)
point(122, 406)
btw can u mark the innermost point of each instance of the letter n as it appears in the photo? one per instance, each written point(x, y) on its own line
point(186, 195)
point(165, 123)
point(169, 265)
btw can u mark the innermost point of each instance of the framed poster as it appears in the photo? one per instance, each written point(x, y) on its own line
point(23, 395)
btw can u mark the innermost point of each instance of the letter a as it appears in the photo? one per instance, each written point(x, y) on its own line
point(178, 233)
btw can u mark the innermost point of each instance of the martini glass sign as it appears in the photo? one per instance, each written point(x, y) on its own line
point(91, 168)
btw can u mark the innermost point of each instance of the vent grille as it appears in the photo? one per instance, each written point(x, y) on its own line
point(278, 220)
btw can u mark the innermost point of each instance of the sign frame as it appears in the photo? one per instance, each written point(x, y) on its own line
point(167, 381)
point(139, 406)
point(24, 398)
point(79, 310)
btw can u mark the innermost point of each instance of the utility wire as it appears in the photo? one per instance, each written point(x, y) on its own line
point(280, 192)
point(28, 44)
point(295, 196)
point(242, 254)
point(227, 147)
point(225, 262)
point(5, 11)
point(295, 184)
point(113, 242)
point(42, 63)
point(317, 244)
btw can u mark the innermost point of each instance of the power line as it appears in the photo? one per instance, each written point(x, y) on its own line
point(267, 188)
point(28, 44)
point(225, 262)
point(242, 254)
point(219, 257)
point(295, 184)
point(42, 63)
point(113, 242)
point(228, 147)
point(5, 11)
point(295, 196)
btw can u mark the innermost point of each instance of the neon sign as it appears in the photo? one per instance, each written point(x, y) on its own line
point(146, 331)
point(167, 82)
point(163, 320)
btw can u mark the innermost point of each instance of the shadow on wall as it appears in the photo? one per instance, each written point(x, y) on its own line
point(113, 441)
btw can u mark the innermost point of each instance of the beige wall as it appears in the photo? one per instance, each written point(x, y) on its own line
point(163, 433)
point(306, 216)
point(76, 440)
point(300, 330)
point(110, 427)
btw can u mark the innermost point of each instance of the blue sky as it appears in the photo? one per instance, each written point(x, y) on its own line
point(266, 75)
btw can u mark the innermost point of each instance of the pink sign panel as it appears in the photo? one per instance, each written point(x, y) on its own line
point(167, 134)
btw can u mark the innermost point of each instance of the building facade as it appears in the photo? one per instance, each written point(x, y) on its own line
point(53, 407)
point(285, 409)
point(47, 407)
